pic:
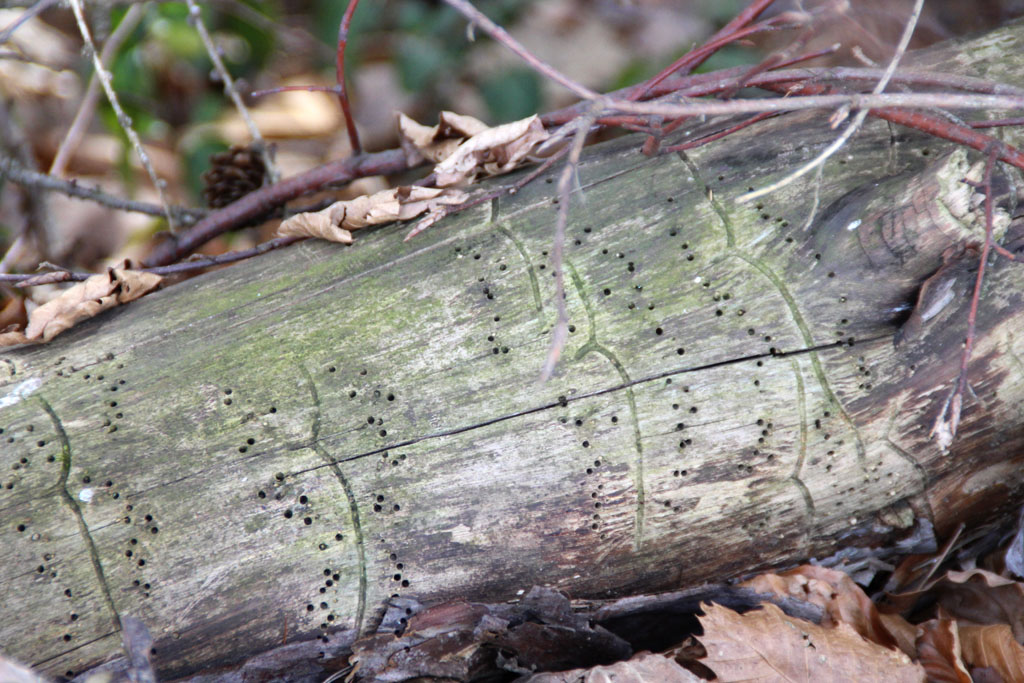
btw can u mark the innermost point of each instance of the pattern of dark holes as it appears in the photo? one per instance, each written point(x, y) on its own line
point(338, 537)
point(307, 520)
point(658, 331)
point(287, 514)
point(586, 444)
point(391, 397)
point(680, 351)
point(572, 328)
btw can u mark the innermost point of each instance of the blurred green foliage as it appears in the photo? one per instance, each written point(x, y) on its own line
point(428, 43)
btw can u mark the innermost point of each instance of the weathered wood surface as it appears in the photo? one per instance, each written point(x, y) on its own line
point(274, 449)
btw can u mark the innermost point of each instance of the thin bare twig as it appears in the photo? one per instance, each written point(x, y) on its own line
point(32, 11)
point(264, 201)
point(122, 118)
point(561, 332)
point(901, 48)
point(38, 223)
point(13, 171)
point(195, 17)
point(199, 263)
point(83, 117)
point(948, 421)
point(346, 108)
point(972, 101)
point(477, 18)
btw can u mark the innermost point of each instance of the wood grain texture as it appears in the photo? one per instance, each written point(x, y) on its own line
point(279, 447)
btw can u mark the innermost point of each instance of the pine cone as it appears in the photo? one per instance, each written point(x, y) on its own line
point(232, 174)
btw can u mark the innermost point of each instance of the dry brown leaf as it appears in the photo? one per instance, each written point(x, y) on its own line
point(938, 650)
point(398, 204)
point(842, 599)
point(767, 645)
point(436, 143)
point(993, 647)
point(645, 667)
point(13, 314)
point(491, 152)
point(903, 631)
point(983, 597)
point(84, 300)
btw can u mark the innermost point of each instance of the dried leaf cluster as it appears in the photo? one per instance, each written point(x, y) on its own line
point(82, 301)
point(463, 149)
point(336, 222)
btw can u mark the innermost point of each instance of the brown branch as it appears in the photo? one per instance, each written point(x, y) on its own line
point(265, 200)
point(11, 170)
point(346, 109)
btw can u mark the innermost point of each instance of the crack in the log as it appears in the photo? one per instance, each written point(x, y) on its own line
point(805, 332)
point(63, 653)
point(357, 528)
point(787, 297)
point(562, 402)
point(72, 504)
point(593, 345)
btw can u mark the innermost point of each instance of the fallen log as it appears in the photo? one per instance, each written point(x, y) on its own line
point(268, 453)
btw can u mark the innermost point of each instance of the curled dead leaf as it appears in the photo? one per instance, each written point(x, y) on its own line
point(938, 650)
point(82, 301)
point(768, 645)
point(336, 222)
point(491, 152)
point(842, 599)
point(435, 143)
point(645, 667)
point(995, 647)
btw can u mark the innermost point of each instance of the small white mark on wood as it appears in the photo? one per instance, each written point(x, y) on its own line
point(20, 392)
point(853, 225)
point(85, 495)
point(697, 280)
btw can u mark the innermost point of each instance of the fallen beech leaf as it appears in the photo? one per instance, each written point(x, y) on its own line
point(84, 300)
point(938, 650)
point(842, 599)
point(903, 631)
point(645, 667)
point(983, 597)
point(435, 143)
point(398, 204)
point(767, 645)
point(319, 224)
point(992, 647)
point(491, 152)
